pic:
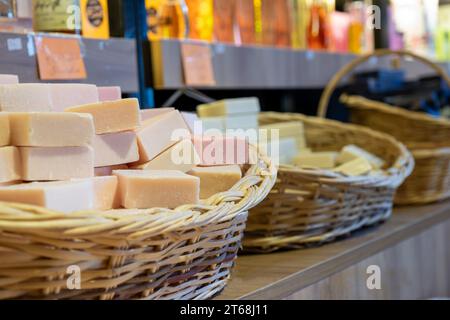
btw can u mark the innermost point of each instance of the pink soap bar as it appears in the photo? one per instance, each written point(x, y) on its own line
point(109, 93)
point(66, 95)
point(10, 165)
point(62, 196)
point(9, 79)
point(115, 148)
point(106, 195)
point(159, 133)
point(25, 97)
point(219, 151)
point(141, 189)
point(155, 112)
point(108, 170)
point(59, 163)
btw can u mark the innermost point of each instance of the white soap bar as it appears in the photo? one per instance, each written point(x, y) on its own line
point(245, 121)
point(352, 152)
point(26, 97)
point(290, 129)
point(115, 149)
point(66, 95)
point(281, 151)
point(229, 106)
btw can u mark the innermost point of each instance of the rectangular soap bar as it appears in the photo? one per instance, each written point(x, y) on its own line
point(323, 160)
point(245, 121)
point(108, 170)
point(356, 167)
point(115, 148)
point(5, 132)
point(9, 79)
point(219, 151)
point(106, 192)
point(25, 97)
point(213, 123)
point(282, 151)
point(112, 116)
point(154, 112)
point(181, 157)
point(58, 163)
point(62, 196)
point(216, 179)
point(294, 129)
point(143, 189)
point(109, 93)
point(228, 107)
point(10, 164)
point(65, 95)
point(352, 152)
point(51, 129)
point(159, 133)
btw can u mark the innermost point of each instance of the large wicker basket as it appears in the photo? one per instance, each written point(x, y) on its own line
point(185, 253)
point(428, 138)
point(312, 206)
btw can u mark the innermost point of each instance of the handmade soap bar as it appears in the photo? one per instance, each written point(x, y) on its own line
point(246, 121)
point(229, 106)
point(324, 160)
point(10, 165)
point(154, 112)
point(182, 157)
point(5, 132)
point(288, 129)
point(51, 129)
point(216, 179)
point(112, 116)
point(109, 93)
point(25, 97)
point(65, 95)
point(142, 189)
point(108, 170)
point(213, 123)
point(282, 150)
point(62, 196)
point(9, 79)
point(159, 133)
point(115, 148)
point(356, 167)
point(352, 152)
point(106, 192)
point(58, 163)
point(215, 150)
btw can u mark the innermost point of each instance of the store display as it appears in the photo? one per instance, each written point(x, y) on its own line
point(25, 98)
point(10, 168)
point(214, 180)
point(115, 149)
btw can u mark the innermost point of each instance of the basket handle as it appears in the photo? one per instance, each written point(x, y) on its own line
point(334, 82)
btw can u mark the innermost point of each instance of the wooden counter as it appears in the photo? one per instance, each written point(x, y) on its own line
point(412, 251)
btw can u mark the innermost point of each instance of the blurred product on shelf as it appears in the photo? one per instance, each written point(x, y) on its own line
point(57, 16)
point(245, 22)
point(318, 28)
point(15, 16)
point(443, 34)
point(166, 19)
point(224, 20)
point(339, 31)
point(94, 19)
point(201, 17)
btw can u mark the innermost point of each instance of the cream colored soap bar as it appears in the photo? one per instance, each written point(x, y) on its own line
point(26, 97)
point(356, 167)
point(59, 163)
point(115, 149)
point(5, 132)
point(10, 165)
point(108, 170)
point(182, 157)
point(66, 95)
point(294, 129)
point(228, 107)
point(51, 129)
point(323, 160)
point(159, 133)
point(216, 179)
point(63, 196)
point(154, 112)
point(352, 152)
point(112, 116)
point(142, 189)
point(9, 79)
point(106, 192)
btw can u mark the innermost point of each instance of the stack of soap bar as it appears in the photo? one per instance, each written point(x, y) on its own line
point(108, 170)
point(291, 129)
point(324, 160)
point(62, 196)
point(154, 112)
point(216, 179)
point(112, 116)
point(109, 93)
point(181, 157)
point(356, 167)
point(27, 97)
point(352, 152)
point(141, 189)
point(47, 129)
point(65, 95)
point(10, 165)
point(159, 133)
point(58, 163)
point(106, 194)
point(219, 151)
point(5, 132)
point(115, 149)
point(8, 79)
point(229, 107)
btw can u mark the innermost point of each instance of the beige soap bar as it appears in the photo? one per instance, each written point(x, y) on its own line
point(112, 116)
point(65, 95)
point(143, 189)
point(182, 157)
point(59, 163)
point(352, 152)
point(5, 133)
point(159, 133)
point(108, 170)
point(294, 129)
point(229, 107)
point(216, 179)
point(51, 129)
point(26, 97)
point(115, 148)
point(10, 164)
point(62, 196)
point(106, 192)
point(323, 160)
point(356, 167)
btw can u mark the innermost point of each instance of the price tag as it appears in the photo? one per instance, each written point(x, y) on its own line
point(197, 64)
point(59, 58)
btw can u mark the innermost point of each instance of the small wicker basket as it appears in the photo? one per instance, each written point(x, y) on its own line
point(313, 206)
point(428, 138)
point(186, 253)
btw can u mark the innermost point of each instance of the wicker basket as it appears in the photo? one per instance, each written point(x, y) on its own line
point(185, 253)
point(428, 138)
point(312, 206)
